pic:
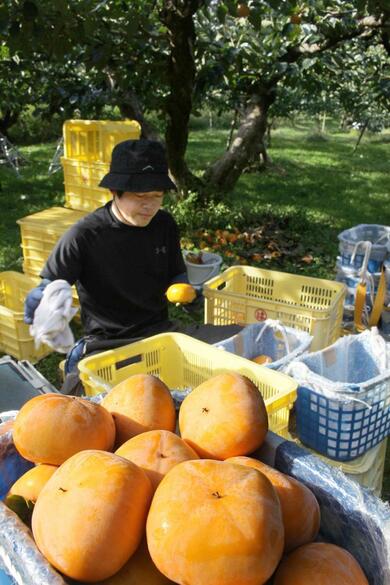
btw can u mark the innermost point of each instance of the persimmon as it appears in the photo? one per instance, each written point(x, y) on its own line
point(300, 509)
point(215, 522)
point(296, 19)
point(320, 563)
point(262, 359)
point(30, 484)
point(138, 404)
point(181, 293)
point(139, 570)
point(90, 516)
point(156, 452)
point(223, 417)
point(51, 427)
point(243, 10)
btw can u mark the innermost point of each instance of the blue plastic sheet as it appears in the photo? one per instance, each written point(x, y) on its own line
point(351, 516)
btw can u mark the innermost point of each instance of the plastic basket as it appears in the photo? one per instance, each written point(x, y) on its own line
point(184, 362)
point(343, 402)
point(199, 273)
point(93, 140)
point(15, 339)
point(271, 338)
point(39, 234)
point(81, 184)
point(352, 242)
point(243, 295)
point(351, 277)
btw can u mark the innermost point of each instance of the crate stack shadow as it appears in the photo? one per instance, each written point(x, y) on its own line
point(87, 151)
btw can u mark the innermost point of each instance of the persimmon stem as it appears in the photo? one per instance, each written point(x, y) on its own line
point(217, 495)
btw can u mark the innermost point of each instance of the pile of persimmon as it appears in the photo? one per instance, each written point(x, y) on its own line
point(125, 492)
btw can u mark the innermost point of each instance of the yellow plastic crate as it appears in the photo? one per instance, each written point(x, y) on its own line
point(39, 234)
point(81, 184)
point(244, 294)
point(93, 140)
point(15, 339)
point(181, 362)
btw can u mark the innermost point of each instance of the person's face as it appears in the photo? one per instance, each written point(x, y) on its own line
point(139, 208)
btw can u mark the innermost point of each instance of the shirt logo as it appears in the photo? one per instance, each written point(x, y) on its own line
point(148, 167)
point(162, 250)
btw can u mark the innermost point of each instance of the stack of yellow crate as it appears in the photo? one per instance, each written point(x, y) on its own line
point(87, 151)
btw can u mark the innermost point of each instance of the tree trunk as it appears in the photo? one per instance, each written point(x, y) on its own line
point(323, 123)
point(233, 126)
point(177, 16)
point(8, 120)
point(361, 134)
point(270, 125)
point(130, 108)
point(248, 145)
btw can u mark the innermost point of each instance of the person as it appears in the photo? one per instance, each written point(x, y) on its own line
point(122, 258)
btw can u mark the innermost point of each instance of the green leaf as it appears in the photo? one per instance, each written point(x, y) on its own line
point(231, 7)
point(222, 12)
point(307, 63)
point(255, 18)
point(22, 507)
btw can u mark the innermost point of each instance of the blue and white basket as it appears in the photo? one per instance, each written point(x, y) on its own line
point(357, 241)
point(343, 398)
point(270, 338)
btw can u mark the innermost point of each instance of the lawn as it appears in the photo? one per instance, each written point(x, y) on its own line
point(315, 187)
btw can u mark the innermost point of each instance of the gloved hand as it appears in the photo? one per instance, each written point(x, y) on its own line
point(197, 304)
point(32, 301)
point(74, 355)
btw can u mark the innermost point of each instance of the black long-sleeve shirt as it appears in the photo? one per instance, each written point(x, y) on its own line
point(121, 272)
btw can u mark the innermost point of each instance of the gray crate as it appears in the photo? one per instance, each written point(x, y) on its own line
point(19, 382)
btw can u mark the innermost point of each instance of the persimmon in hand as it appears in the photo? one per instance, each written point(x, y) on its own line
point(181, 293)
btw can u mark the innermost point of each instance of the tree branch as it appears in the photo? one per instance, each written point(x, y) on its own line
point(368, 26)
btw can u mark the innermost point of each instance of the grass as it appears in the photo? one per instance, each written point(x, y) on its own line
point(322, 179)
point(315, 188)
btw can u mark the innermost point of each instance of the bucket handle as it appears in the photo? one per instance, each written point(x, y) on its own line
point(368, 245)
point(275, 324)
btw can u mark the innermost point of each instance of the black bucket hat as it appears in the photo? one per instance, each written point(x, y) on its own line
point(138, 166)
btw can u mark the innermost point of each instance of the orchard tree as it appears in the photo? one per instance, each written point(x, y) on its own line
point(19, 87)
point(172, 56)
point(352, 82)
point(32, 80)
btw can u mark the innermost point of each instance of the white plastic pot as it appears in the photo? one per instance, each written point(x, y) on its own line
point(199, 273)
